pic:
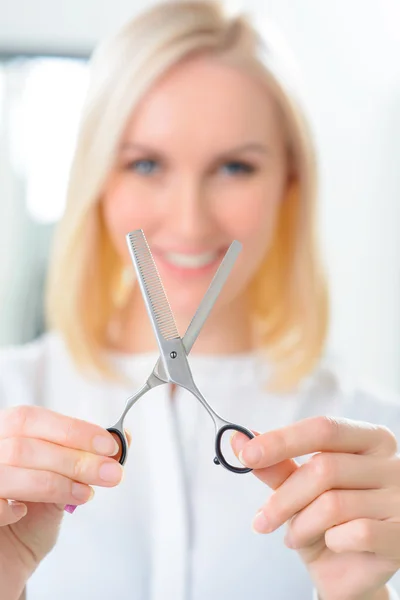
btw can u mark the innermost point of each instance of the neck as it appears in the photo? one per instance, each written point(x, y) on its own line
point(226, 331)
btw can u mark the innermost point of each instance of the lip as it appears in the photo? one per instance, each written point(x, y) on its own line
point(182, 272)
point(181, 250)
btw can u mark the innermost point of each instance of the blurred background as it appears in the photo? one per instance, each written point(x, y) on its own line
point(348, 54)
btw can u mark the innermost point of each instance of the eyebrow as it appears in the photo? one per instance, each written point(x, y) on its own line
point(248, 147)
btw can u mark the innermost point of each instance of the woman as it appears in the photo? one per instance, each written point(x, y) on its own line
point(192, 133)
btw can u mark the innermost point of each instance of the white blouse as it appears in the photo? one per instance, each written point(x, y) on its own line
point(178, 527)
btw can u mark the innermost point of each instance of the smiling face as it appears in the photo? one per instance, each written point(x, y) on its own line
point(202, 162)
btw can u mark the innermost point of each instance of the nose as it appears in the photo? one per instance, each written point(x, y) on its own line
point(189, 214)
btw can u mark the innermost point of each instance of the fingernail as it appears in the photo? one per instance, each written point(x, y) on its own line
point(82, 492)
point(238, 442)
point(111, 472)
point(19, 509)
point(260, 523)
point(105, 445)
point(253, 455)
point(70, 508)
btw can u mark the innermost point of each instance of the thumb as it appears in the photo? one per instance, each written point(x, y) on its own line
point(128, 435)
point(272, 476)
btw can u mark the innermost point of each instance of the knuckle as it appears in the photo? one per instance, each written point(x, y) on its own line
point(279, 443)
point(331, 505)
point(280, 516)
point(323, 466)
point(274, 510)
point(297, 531)
point(69, 433)
point(389, 438)
point(363, 533)
point(79, 468)
point(291, 527)
point(16, 419)
point(327, 427)
point(12, 451)
point(49, 485)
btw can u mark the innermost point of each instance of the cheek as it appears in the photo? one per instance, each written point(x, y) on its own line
point(122, 214)
point(249, 208)
point(252, 219)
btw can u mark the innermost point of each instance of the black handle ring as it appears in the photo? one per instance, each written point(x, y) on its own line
point(220, 459)
point(124, 446)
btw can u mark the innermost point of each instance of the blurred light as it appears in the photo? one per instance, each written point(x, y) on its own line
point(2, 85)
point(45, 127)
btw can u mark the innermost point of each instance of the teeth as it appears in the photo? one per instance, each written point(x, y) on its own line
point(191, 261)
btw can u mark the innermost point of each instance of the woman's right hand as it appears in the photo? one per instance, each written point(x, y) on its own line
point(47, 460)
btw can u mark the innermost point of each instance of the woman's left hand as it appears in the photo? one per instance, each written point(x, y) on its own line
point(342, 506)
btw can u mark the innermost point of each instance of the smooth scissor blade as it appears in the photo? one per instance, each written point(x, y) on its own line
point(206, 304)
point(211, 295)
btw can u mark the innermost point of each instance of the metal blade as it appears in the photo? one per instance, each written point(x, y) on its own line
point(152, 289)
point(211, 295)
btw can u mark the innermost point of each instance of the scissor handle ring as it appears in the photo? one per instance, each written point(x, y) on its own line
point(220, 459)
point(122, 442)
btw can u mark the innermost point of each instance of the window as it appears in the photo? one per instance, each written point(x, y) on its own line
point(40, 103)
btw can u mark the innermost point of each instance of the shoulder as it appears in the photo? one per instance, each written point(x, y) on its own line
point(333, 389)
point(23, 368)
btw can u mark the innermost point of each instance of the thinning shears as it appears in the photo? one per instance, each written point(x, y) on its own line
point(172, 365)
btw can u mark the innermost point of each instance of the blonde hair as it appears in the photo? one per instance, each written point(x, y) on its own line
point(288, 293)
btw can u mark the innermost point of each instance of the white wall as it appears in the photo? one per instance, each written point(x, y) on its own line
point(348, 51)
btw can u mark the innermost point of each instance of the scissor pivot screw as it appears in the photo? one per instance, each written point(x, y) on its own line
point(173, 354)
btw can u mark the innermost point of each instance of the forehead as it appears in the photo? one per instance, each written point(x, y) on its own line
point(202, 99)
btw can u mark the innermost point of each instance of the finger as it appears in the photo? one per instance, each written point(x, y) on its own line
point(42, 423)
point(239, 439)
point(323, 472)
point(117, 438)
point(272, 476)
point(128, 436)
point(11, 512)
point(336, 507)
point(70, 508)
point(80, 466)
point(366, 535)
point(317, 434)
point(29, 485)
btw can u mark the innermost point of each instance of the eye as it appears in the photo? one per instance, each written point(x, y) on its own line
point(143, 166)
point(236, 167)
